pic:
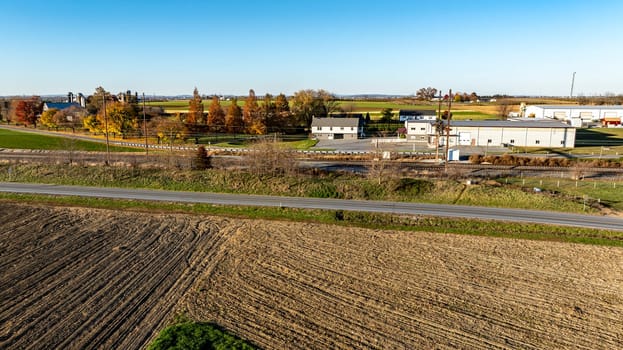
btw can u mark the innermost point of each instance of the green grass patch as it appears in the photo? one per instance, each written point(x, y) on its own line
point(197, 336)
point(25, 140)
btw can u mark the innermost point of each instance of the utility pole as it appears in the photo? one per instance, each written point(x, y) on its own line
point(448, 127)
point(106, 129)
point(145, 126)
point(438, 126)
point(572, 83)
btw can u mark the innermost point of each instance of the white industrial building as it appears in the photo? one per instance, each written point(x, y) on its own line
point(577, 115)
point(513, 132)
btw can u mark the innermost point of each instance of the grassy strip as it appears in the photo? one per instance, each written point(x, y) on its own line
point(197, 336)
point(24, 140)
point(378, 221)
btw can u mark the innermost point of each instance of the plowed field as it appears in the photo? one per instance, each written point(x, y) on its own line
point(85, 278)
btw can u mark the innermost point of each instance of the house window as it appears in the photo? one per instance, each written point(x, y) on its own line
point(562, 142)
point(423, 129)
point(513, 141)
point(352, 128)
point(342, 128)
point(538, 142)
point(489, 141)
point(412, 129)
point(330, 128)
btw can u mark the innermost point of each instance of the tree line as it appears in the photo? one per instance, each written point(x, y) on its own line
point(105, 112)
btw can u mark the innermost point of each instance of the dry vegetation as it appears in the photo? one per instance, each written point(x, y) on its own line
point(76, 278)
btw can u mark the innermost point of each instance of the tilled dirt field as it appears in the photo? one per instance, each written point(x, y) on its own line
point(78, 278)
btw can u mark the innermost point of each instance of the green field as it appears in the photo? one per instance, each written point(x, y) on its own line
point(25, 140)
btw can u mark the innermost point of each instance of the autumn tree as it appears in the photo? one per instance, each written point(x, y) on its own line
point(168, 129)
point(47, 118)
point(233, 119)
point(250, 112)
point(328, 101)
point(121, 120)
point(195, 109)
point(216, 115)
point(282, 118)
point(202, 159)
point(307, 104)
point(27, 111)
point(426, 94)
point(95, 102)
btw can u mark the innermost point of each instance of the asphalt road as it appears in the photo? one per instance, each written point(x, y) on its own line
point(454, 211)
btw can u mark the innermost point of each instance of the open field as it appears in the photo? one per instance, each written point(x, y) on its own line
point(76, 278)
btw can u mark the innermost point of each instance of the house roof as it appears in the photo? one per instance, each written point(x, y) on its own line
point(510, 123)
point(577, 107)
point(339, 122)
point(60, 105)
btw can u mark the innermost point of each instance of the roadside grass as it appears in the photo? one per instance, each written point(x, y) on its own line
point(24, 140)
point(379, 221)
point(329, 185)
point(588, 192)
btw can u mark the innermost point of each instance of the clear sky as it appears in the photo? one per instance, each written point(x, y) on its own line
point(347, 47)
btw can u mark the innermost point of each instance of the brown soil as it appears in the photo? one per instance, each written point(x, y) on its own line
point(85, 278)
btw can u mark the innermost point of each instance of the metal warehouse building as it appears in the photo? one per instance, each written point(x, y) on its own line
point(512, 132)
point(578, 115)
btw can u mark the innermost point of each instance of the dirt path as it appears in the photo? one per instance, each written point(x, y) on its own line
point(77, 278)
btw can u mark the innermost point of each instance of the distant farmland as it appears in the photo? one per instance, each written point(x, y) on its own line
point(461, 110)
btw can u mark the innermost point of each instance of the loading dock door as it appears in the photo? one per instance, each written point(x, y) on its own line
point(560, 115)
point(586, 115)
point(465, 138)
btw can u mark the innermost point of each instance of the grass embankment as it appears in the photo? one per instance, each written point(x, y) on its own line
point(331, 185)
point(25, 140)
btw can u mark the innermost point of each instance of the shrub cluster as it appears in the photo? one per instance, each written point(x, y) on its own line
point(508, 159)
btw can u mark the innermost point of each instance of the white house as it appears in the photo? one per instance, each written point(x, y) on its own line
point(513, 132)
point(337, 128)
point(578, 115)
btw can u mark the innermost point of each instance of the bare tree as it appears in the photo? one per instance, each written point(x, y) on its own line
point(504, 107)
point(269, 157)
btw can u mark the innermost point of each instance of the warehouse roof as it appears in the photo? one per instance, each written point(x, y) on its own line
point(510, 123)
point(339, 122)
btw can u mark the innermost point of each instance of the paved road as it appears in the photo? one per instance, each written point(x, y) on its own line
point(455, 211)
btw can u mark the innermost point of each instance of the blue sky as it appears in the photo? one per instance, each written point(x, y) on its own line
point(346, 47)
